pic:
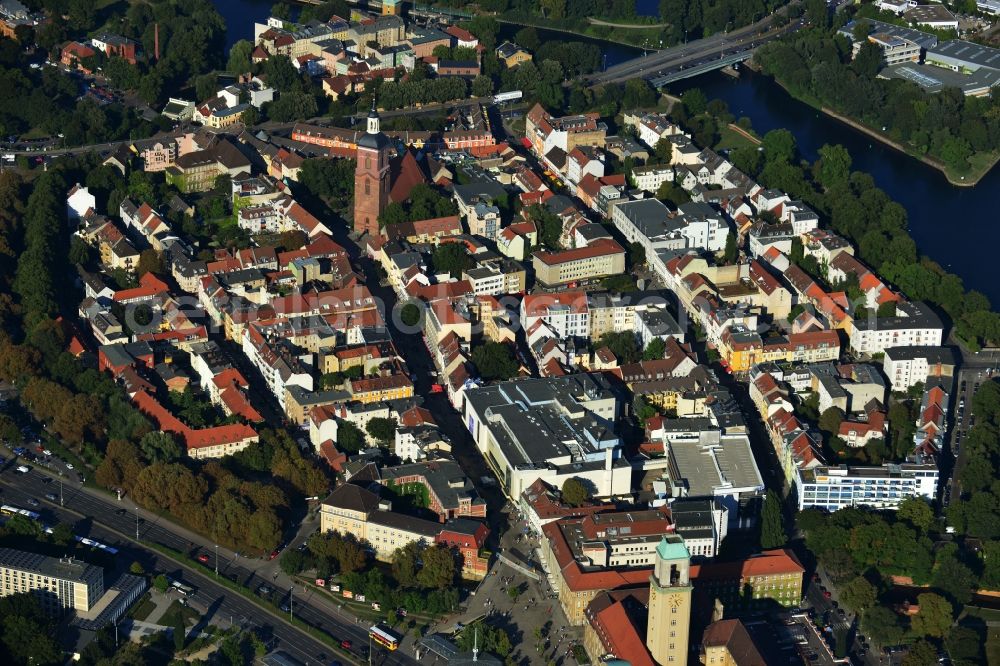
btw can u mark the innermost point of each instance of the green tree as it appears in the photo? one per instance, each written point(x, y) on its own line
point(292, 562)
point(917, 512)
point(438, 570)
point(830, 420)
point(859, 595)
point(575, 492)
point(672, 193)
point(834, 166)
point(495, 361)
point(921, 653)
point(964, 645)
point(161, 583)
point(663, 152)
point(350, 438)
point(882, 625)
point(409, 314)
point(655, 350)
point(451, 258)
point(779, 145)
point(772, 528)
point(731, 252)
point(404, 564)
point(160, 447)
point(239, 57)
point(694, 101)
point(636, 254)
point(622, 344)
point(381, 429)
point(482, 86)
point(935, 616)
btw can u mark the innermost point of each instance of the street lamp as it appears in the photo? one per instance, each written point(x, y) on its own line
point(216, 560)
point(291, 593)
point(136, 522)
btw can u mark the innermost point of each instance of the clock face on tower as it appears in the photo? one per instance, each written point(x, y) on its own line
point(676, 600)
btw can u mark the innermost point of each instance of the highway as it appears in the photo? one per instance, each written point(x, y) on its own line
point(116, 527)
point(660, 63)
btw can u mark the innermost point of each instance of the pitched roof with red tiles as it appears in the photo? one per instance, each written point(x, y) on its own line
point(538, 305)
point(416, 416)
point(149, 286)
point(404, 174)
point(598, 248)
point(623, 639)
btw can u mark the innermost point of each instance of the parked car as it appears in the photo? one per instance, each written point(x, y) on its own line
point(51, 497)
point(203, 558)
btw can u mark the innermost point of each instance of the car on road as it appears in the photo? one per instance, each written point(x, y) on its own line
point(202, 557)
point(120, 512)
point(45, 479)
point(32, 501)
point(274, 554)
point(264, 590)
point(346, 644)
point(69, 465)
point(47, 452)
point(22, 469)
point(51, 497)
point(827, 594)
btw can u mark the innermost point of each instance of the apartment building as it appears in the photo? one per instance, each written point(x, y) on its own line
point(907, 366)
point(914, 325)
point(882, 487)
point(60, 584)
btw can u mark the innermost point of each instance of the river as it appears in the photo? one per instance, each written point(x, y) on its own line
point(934, 206)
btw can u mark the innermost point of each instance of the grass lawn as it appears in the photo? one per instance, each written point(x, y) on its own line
point(979, 165)
point(143, 608)
point(177, 611)
point(730, 139)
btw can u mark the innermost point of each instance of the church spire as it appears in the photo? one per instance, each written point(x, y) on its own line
point(373, 119)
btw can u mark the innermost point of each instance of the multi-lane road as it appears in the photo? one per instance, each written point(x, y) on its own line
point(115, 523)
point(661, 63)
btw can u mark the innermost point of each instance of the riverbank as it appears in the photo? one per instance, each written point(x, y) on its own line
point(982, 166)
point(638, 34)
point(980, 163)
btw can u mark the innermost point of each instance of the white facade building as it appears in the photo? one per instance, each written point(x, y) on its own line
point(883, 487)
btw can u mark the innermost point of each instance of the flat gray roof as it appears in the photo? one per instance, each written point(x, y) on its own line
point(67, 569)
point(967, 52)
point(709, 469)
point(924, 39)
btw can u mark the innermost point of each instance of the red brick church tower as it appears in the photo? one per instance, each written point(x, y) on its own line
point(371, 177)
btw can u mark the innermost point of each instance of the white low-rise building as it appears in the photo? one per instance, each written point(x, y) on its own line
point(882, 487)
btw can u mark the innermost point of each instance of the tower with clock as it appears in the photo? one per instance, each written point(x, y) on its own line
point(670, 603)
